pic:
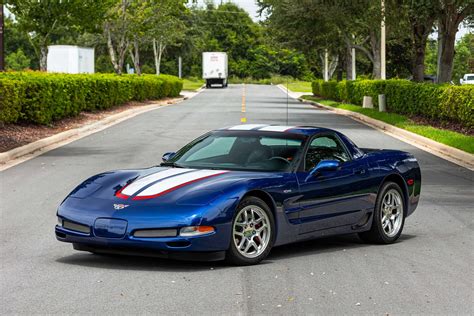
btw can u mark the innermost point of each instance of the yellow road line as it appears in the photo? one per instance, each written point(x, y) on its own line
point(243, 119)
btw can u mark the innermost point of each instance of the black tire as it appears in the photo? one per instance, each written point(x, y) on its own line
point(233, 256)
point(377, 234)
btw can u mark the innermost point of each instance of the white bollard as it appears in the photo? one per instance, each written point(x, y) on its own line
point(382, 103)
point(367, 103)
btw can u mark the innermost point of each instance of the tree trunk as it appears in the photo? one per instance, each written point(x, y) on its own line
point(110, 46)
point(160, 54)
point(135, 55)
point(348, 61)
point(158, 49)
point(438, 58)
point(155, 55)
point(333, 66)
point(122, 51)
point(451, 16)
point(447, 56)
point(376, 62)
point(419, 46)
point(43, 57)
point(420, 31)
point(418, 71)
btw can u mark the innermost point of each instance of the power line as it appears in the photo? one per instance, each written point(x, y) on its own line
point(221, 23)
point(223, 11)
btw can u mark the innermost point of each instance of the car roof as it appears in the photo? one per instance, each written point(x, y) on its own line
point(299, 130)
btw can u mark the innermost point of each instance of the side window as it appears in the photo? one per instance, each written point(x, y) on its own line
point(218, 147)
point(327, 147)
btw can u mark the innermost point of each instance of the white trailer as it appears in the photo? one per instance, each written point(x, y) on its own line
point(467, 79)
point(214, 68)
point(70, 59)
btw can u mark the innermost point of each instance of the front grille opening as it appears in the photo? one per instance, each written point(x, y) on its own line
point(155, 233)
point(76, 227)
point(178, 244)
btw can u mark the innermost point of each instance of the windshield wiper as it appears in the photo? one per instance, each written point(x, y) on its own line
point(170, 164)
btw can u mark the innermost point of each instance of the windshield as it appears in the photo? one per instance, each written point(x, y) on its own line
point(240, 151)
point(469, 78)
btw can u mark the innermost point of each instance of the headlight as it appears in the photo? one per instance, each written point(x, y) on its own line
point(60, 221)
point(191, 231)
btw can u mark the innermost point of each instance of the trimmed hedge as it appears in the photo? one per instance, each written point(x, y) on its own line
point(441, 102)
point(43, 98)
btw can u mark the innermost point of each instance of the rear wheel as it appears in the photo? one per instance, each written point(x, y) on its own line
point(253, 232)
point(389, 216)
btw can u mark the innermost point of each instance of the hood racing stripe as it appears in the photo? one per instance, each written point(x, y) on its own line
point(140, 184)
point(174, 183)
point(245, 127)
point(162, 179)
point(278, 128)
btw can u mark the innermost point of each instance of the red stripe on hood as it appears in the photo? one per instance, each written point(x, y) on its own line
point(119, 193)
point(146, 197)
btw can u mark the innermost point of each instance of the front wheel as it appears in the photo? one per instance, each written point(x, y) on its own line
point(253, 232)
point(389, 216)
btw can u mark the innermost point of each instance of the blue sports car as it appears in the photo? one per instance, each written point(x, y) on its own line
point(236, 192)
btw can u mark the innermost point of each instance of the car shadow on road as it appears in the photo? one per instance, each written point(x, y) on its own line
point(123, 262)
point(300, 249)
point(324, 245)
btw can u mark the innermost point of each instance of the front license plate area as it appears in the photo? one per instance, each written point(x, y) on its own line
point(110, 227)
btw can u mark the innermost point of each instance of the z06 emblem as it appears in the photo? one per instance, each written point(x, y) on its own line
point(120, 206)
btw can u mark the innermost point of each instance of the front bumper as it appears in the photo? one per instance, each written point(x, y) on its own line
point(205, 247)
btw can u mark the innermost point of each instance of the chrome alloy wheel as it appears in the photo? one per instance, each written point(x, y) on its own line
point(251, 231)
point(391, 212)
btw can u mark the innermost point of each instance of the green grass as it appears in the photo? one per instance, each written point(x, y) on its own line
point(192, 84)
point(299, 86)
point(447, 137)
point(275, 79)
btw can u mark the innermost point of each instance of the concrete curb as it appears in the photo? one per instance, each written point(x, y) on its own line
point(452, 154)
point(293, 94)
point(195, 91)
point(13, 157)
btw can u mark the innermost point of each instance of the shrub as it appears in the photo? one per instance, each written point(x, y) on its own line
point(12, 93)
point(442, 102)
point(43, 98)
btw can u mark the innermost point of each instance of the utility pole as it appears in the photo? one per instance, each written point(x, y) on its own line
point(353, 77)
point(383, 74)
point(180, 64)
point(326, 65)
point(2, 50)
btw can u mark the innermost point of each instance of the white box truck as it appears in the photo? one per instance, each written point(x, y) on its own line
point(214, 68)
point(70, 59)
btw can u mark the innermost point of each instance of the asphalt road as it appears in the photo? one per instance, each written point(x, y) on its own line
point(429, 271)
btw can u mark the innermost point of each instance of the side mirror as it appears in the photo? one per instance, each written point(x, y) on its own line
point(324, 165)
point(168, 156)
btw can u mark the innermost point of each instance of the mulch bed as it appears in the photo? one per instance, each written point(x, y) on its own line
point(19, 134)
point(455, 127)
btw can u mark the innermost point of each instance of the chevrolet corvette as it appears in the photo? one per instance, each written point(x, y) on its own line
point(236, 192)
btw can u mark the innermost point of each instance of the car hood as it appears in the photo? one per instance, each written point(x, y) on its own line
point(162, 185)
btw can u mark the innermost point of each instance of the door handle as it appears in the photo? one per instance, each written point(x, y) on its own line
point(359, 170)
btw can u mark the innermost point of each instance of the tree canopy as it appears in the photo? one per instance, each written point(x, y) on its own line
point(294, 38)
